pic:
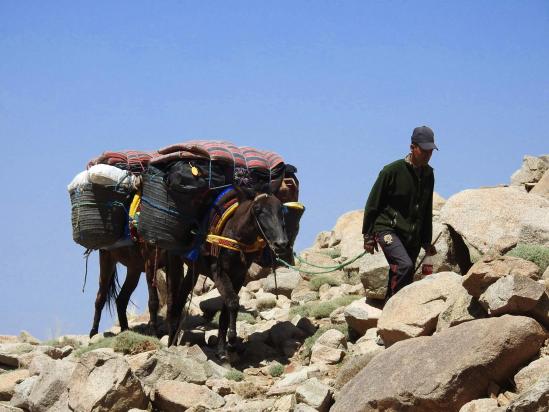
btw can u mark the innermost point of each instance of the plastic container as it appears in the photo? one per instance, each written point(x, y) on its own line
point(427, 266)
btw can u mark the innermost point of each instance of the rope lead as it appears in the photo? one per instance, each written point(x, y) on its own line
point(328, 268)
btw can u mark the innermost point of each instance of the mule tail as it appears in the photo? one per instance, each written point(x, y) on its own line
point(112, 292)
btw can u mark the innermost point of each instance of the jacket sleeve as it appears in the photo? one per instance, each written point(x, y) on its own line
point(427, 229)
point(377, 200)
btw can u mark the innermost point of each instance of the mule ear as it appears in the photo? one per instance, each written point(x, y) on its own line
point(244, 193)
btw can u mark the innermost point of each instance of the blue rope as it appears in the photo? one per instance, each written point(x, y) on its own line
point(171, 212)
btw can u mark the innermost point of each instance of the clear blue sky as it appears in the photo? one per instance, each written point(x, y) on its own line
point(335, 87)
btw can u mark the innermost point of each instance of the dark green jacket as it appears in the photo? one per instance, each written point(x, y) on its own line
point(401, 200)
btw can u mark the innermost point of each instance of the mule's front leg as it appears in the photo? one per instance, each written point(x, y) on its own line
point(154, 302)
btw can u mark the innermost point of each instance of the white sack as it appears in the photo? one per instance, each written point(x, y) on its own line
point(108, 175)
point(79, 180)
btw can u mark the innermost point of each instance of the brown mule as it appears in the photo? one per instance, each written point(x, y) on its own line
point(255, 217)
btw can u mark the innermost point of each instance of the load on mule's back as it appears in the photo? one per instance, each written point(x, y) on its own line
point(162, 200)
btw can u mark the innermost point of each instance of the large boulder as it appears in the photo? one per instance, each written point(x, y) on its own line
point(104, 381)
point(541, 311)
point(514, 294)
point(175, 396)
point(491, 268)
point(446, 259)
point(173, 363)
point(46, 391)
point(348, 231)
point(374, 272)
point(461, 307)
point(414, 310)
point(531, 171)
point(498, 218)
point(542, 187)
point(444, 371)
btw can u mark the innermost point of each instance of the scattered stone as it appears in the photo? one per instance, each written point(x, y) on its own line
point(462, 307)
point(314, 393)
point(303, 294)
point(26, 337)
point(480, 405)
point(303, 407)
point(534, 399)
point(5, 407)
point(542, 187)
point(22, 391)
point(373, 271)
point(444, 371)
point(541, 310)
point(221, 386)
point(172, 363)
point(337, 317)
point(513, 294)
point(284, 404)
point(8, 381)
point(325, 240)
point(46, 391)
point(361, 316)
point(531, 171)
point(11, 353)
point(491, 268)
point(528, 376)
point(286, 281)
point(329, 348)
point(290, 380)
point(414, 310)
point(175, 396)
point(104, 382)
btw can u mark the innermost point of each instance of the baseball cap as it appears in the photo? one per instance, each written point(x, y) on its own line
point(424, 137)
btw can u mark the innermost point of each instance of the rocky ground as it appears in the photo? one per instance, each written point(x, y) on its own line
point(471, 337)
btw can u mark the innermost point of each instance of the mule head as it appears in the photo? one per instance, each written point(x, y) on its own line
point(268, 214)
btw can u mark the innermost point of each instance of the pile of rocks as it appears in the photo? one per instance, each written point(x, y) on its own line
point(471, 337)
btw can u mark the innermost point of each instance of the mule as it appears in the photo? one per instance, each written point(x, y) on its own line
point(256, 217)
point(137, 258)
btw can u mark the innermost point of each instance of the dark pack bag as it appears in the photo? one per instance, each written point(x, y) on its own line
point(196, 176)
point(99, 215)
point(166, 219)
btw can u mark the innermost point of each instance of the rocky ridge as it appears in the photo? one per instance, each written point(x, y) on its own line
point(471, 337)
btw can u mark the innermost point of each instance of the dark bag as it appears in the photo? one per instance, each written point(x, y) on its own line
point(166, 220)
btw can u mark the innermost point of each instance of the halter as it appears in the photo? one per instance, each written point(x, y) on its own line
point(217, 241)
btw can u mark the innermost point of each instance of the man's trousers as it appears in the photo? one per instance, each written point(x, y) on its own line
point(401, 258)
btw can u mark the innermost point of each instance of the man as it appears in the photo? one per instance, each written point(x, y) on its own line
point(399, 211)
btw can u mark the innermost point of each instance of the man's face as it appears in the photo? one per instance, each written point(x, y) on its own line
point(420, 157)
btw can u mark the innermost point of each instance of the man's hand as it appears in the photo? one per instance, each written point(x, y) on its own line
point(370, 244)
point(430, 250)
